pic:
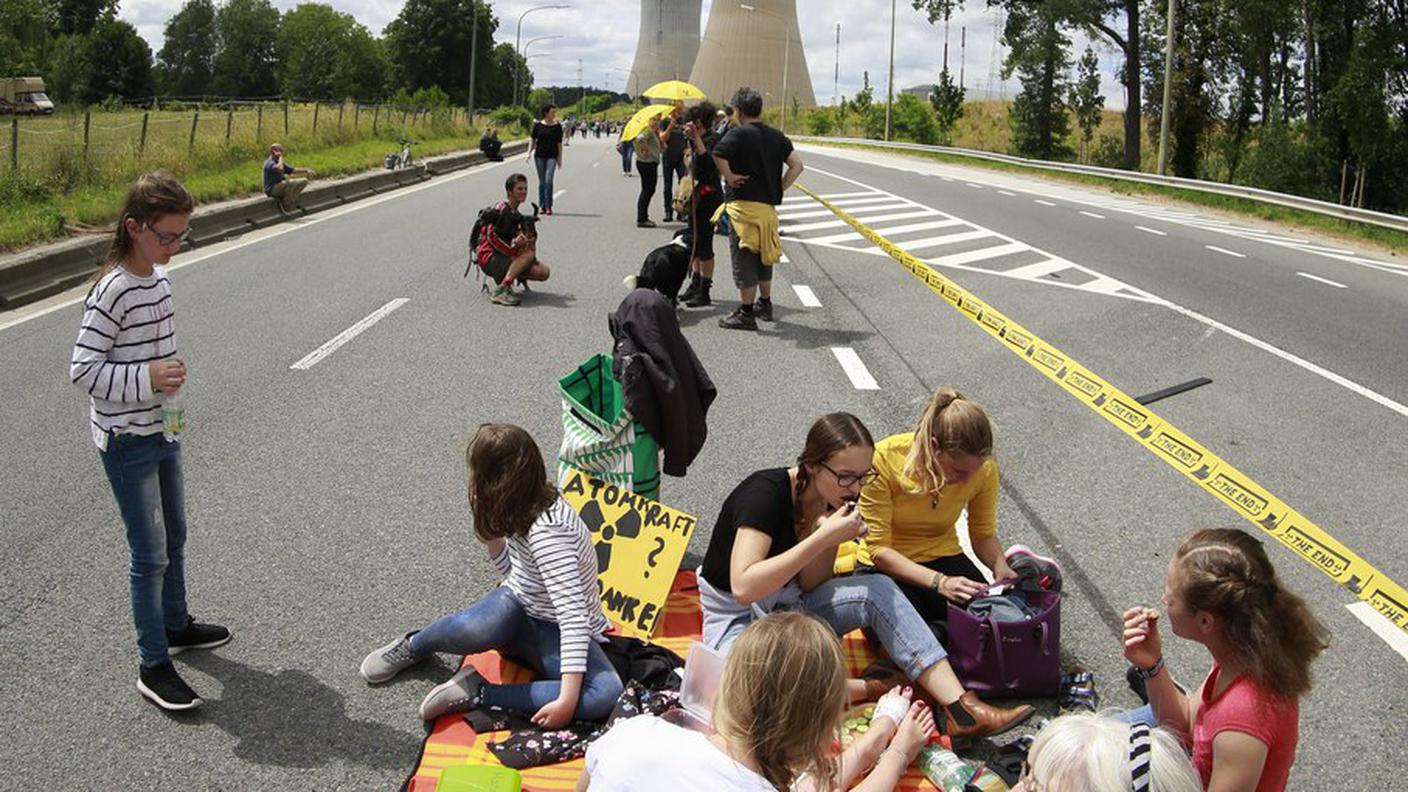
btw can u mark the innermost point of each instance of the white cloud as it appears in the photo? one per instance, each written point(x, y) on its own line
point(601, 35)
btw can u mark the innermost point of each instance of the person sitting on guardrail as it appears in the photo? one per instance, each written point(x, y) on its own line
point(504, 243)
point(490, 144)
point(1243, 722)
point(278, 185)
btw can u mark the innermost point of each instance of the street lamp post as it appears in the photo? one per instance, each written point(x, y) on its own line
point(518, 34)
point(1168, 82)
point(517, 72)
point(890, 80)
point(786, 52)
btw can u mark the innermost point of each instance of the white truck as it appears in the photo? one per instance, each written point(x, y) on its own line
point(24, 95)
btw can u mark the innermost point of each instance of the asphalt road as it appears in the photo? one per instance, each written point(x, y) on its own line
point(327, 505)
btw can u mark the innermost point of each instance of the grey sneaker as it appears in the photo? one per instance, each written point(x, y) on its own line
point(459, 694)
point(503, 295)
point(738, 320)
point(390, 660)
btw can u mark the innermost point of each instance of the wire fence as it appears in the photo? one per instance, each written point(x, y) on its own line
point(194, 129)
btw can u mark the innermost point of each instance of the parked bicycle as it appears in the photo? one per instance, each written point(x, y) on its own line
point(402, 158)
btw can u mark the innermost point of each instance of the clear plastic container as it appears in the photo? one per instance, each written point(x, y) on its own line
point(173, 413)
point(944, 769)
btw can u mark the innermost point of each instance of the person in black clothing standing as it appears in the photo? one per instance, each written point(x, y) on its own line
point(708, 195)
point(674, 144)
point(545, 147)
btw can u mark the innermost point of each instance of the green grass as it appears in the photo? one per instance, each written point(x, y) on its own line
point(1395, 241)
point(57, 189)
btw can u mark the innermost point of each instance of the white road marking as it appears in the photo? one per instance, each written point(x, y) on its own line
point(350, 333)
point(1394, 637)
point(943, 240)
point(982, 254)
point(974, 186)
point(559, 192)
point(1004, 192)
point(782, 259)
point(1322, 280)
point(1232, 253)
point(1044, 203)
point(79, 293)
point(807, 296)
point(594, 164)
point(1094, 215)
point(888, 206)
point(1127, 291)
point(1153, 231)
point(1038, 270)
point(855, 369)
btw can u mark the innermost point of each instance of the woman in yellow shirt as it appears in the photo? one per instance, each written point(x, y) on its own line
point(926, 479)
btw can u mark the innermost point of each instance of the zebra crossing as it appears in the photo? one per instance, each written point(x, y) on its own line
point(940, 239)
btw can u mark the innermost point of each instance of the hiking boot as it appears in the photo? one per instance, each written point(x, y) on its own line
point(738, 320)
point(503, 295)
point(985, 719)
point(196, 636)
point(162, 686)
point(459, 694)
point(390, 660)
point(700, 298)
point(763, 310)
point(646, 223)
point(689, 290)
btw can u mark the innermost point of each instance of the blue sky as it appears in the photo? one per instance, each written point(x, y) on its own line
point(602, 35)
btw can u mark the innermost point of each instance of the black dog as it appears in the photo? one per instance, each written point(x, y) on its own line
point(666, 267)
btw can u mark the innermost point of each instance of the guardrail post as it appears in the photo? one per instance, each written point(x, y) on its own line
point(229, 122)
point(142, 141)
point(340, 108)
point(356, 115)
point(191, 146)
point(259, 123)
point(15, 143)
point(285, 119)
point(87, 119)
point(316, 107)
point(376, 113)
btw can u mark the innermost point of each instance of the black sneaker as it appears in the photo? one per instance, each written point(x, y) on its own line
point(645, 224)
point(763, 310)
point(196, 636)
point(699, 299)
point(165, 688)
point(738, 320)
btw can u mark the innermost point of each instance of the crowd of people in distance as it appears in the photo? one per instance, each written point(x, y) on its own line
point(772, 601)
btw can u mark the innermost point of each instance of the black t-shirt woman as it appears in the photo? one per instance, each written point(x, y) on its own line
point(707, 197)
point(545, 148)
point(774, 548)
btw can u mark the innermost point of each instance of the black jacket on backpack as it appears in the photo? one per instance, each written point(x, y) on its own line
point(665, 386)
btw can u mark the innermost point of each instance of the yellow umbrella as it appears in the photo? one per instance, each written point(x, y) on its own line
point(673, 90)
point(642, 119)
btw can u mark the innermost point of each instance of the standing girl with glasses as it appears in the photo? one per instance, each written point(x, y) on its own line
point(126, 360)
point(774, 547)
point(1243, 721)
point(927, 479)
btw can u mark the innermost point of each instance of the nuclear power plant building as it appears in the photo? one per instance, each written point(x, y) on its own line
point(668, 42)
point(751, 43)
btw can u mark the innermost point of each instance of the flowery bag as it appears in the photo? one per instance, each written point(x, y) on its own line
point(599, 435)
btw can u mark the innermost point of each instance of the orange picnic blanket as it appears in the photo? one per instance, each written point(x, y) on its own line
point(453, 742)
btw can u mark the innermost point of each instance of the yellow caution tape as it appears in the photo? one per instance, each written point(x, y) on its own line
point(1182, 452)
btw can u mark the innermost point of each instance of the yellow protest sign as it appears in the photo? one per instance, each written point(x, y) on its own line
point(639, 546)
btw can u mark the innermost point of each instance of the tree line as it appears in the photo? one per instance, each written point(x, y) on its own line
point(249, 49)
point(1301, 96)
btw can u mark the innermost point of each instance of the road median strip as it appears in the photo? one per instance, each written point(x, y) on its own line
point(1209, 471)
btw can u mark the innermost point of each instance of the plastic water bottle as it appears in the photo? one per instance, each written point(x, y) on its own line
point(944, 769)
point(173, 414)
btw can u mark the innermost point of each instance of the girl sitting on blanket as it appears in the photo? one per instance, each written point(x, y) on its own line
point(773, 548)
point(924, 480)
point(775, 716)
point(1242, 723)
point(547, 612)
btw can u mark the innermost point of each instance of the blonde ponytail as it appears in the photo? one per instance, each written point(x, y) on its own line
point(951, 423)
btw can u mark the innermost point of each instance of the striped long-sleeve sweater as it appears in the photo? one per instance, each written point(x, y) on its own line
point(552, 571)
point(128, 322)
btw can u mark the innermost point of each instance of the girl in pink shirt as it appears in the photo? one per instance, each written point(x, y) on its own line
point(1242, 723)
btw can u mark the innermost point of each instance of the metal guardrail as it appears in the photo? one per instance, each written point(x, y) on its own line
point(1325, 208)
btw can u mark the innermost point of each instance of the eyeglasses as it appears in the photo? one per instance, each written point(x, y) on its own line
point(852, 479)
point(164, 239)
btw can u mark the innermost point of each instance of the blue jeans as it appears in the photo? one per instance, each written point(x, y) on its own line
point(145, 473)
point(1144, 714)
point(546, 169)
point(626, 148)
point(500, 623)
point(670, 171)
point(872, 602)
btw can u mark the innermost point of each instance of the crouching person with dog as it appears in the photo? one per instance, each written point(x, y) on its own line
point(504, 243)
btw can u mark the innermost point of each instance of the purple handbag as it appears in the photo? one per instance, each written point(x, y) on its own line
point(997, 659)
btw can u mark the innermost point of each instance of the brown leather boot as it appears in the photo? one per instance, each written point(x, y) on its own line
point(985, 720)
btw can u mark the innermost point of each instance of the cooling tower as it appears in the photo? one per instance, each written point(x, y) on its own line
point(668, 42)
point(750, 47)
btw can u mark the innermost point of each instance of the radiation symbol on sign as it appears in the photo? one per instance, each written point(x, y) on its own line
point(626, 526)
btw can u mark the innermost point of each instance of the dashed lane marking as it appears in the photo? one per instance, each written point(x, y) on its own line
point(1225, 251)
point(1008, 194)
point(806, 295)
point(1044, 203)
point(312, 358)
point(1154, 231)
point(1094, 215)
point(1326, 281)
point(855, 368)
